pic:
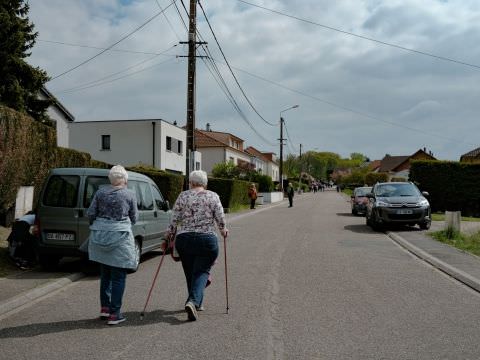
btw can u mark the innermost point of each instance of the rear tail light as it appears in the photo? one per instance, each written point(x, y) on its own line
point(35, 229)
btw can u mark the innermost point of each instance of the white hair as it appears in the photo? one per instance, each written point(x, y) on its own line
point(118, 175)
point(198, 177)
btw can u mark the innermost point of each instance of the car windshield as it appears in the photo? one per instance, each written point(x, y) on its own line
point(392, 190)
point(362, 191)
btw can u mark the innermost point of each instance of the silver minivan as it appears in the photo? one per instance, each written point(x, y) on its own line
point(61, 222)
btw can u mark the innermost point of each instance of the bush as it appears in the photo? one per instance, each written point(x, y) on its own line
point(372, 178)
point(452, 186)
point(233, 193)
point(171, 185)
point(265, 183)
point(226, 171)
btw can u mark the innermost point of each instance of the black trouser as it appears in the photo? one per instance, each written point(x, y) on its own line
point(290, 200)
point(252, 203)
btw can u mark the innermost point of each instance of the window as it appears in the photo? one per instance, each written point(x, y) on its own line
point(146, 202)
point(62, 191)
point(179, 147)
point(157, 197)
point(169, 143)
point(231, 159)
point(197, 165)
point(105, 142)
point(92, 184)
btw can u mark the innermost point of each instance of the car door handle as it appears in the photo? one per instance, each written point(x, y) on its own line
point(155, 213)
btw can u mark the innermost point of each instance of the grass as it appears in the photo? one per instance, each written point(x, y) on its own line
point(441, 217)
point(237, 208)
point(469, 243)
point(348, 192)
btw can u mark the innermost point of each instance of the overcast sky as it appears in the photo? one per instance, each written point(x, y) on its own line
point(354, 95)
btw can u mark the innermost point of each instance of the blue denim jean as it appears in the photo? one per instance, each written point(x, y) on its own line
point(197, 252)
point(112, 287)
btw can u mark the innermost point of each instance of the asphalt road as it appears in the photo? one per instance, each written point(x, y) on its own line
point(308, 282)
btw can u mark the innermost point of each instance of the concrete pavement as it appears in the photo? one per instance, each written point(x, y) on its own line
point(21, 288)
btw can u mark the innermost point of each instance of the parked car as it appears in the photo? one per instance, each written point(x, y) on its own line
point(359, 199)
point(61, 222)
point(397, 203)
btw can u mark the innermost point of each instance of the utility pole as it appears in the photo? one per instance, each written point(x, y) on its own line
point(300, 151)
point(281, 153)
point(191, 78)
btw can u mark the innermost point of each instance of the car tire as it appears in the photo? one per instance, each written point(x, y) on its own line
point(49, 262)
point(138, 252)
point(425, 225)
point(354, 211)
point(376, 226)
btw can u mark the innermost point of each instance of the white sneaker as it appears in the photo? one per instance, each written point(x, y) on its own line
point(191, 311)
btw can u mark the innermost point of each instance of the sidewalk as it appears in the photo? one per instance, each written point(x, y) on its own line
point(461, 265)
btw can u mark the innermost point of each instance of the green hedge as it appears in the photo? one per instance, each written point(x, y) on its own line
point(452, 186)
point(372, 178)
point(171, 185)
point(28, 151)
point(232, 192)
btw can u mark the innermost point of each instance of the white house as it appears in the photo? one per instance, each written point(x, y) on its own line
point(272, 166)
point(60, 115)
point(219, 147)
point(258, 160)
point(153, 142)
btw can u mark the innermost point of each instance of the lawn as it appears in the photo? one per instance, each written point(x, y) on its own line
point(441, 217)
point(469, 243)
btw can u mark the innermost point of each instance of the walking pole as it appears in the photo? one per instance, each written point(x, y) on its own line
point(226, 272)
point(153, 283)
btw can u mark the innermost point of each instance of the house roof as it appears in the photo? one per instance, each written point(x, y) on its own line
point(473, 153)
point(221, 136)
point(252, 151)
point(375, 164)
point(388, 163)
point(204, 139)
point(57, 104)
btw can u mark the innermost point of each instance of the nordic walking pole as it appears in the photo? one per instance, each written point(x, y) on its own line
point(153, 283)
point(226, 272)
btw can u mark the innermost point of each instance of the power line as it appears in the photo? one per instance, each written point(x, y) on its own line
point(118, 78)
point(168, 21)
point(289, 138)
point(114, 74)
point(111, 46)
point(346, 108)
point(231, 71)
point(438, 57)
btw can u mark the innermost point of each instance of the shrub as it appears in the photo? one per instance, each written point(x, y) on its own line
point(452, 186)
point(265, 183)
point(232, 193)
point(171, 185)
point(372, 178)
point(226, 171)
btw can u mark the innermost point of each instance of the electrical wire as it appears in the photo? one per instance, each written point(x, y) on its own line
point(289, 137)
point(168, 21)
point(115, 43)
point(116, 73)
point(347, 108)
point(438, 57)
point(231, 70)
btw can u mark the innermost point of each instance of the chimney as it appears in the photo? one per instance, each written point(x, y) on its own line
point(424, 149)
point(175, 123)
point(208, 127)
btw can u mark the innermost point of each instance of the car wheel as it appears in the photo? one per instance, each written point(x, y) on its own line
point(138, 254)
point(376, 226)
point(48, 262)
point(425, 225)
point(354, 211)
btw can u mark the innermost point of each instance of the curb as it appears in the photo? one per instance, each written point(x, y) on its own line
point(38, 292)
point(457, 274)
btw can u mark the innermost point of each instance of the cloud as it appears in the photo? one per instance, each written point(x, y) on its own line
point(387, 84)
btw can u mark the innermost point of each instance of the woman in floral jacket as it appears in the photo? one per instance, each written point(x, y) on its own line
point(196, 213)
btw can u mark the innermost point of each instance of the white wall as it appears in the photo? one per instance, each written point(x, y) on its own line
point(131, 142)
point(62, 123)
point(211, 157)
point(236, 156)
point(273, 171)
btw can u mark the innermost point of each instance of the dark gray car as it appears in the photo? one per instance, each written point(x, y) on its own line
point(398, 203)
point(62, 225)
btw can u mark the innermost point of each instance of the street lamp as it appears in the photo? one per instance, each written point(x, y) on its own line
point(281, 144)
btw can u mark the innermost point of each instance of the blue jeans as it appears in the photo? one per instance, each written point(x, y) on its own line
point(112, 286)
point(197, 252)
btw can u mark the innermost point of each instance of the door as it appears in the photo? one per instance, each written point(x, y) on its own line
point(163, 215)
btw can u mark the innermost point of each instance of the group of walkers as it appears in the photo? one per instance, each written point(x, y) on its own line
point(196, 214)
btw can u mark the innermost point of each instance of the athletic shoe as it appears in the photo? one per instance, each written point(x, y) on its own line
point(115, 319)
point(200, 308)
point(104, 313)
point(191, 311)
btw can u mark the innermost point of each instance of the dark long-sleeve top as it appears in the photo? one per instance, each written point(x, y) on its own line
point(113, 203)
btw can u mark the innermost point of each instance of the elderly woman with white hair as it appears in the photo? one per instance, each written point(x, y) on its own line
point(112, 212)
point(195, 213)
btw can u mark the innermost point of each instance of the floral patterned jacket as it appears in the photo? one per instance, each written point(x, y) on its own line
point(197, 211)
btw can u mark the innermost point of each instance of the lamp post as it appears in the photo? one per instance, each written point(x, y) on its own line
point(281, 144)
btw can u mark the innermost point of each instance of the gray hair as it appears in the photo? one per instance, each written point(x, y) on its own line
point(198, 177)
point(118, 174)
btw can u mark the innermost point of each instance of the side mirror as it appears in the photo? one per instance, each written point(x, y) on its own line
point(166, 205)
point(425, 193)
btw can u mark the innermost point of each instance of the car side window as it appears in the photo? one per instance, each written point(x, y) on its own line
point(92, 185)
point(146, 196)
point(157, 197)
point(62, 191)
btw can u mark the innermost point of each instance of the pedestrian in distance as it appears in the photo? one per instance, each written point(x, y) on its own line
point(252, 194)
point(112, 213)
point(196, 214)
point(290, 193)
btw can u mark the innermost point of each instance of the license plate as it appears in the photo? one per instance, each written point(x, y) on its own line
point(404, 211)
point(60, 236)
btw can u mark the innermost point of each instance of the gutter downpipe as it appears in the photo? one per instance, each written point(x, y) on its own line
point(153, 147)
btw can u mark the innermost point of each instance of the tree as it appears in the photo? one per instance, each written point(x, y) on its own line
point(20, 82)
